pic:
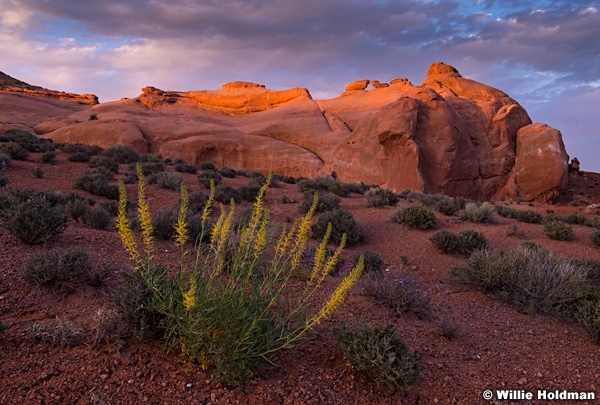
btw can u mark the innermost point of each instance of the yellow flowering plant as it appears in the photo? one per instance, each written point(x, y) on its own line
point(225, 307)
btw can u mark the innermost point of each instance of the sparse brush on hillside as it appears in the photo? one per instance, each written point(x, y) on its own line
point(122, 154)
point(558, 230)
point(343, 225)
point(380, 197)
point(327, 202)
point(226, 309)
point(537, 282)
point(478, 214)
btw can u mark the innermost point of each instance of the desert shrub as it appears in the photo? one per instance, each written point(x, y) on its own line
point(478, 214)
point(558, 230)
point(379, 353)
point(445, 241)
point(285, 199)
point(469, 241)
point(163, 223)
point(373, 262)
point(72, 148)
point(185, 168)
point(249, 191)
point(76, 208)
point(242, 172)
point(586, 312)
point(401, 293)
point(529, 277)
point(97, 218)
point(205, 177)
point(342, 223)
point(196, 200)
point(285, 179)
point(37, 172)
point(340, 189)
point(260, 178)
point(130, 177)
point(357, 188)
point(224, 194)
point(380, 197)
point(228, 172)
point(97, 182)
point(528, 216)
point(112, 207)
point(5, 160)
point(149, 167)
point(233, 288)
point(59, 333)
point(576, 218)
point(446, 206)
point(79, 157)
point(3, 181)
point(595, 238)
point(35, 220)
point(122, 154)
point(48, 157)
point(594, 222)
point(150, 158)
point(14, 150)
point(207, 166)
point(169, 180)
point(104, 162)
point(415, 217)
point(60, 269)
point(133, 300)
point(327, 202)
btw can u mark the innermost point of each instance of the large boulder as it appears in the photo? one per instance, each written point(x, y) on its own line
point(542, 164)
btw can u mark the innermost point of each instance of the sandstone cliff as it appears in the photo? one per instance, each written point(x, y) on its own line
point(450, 134)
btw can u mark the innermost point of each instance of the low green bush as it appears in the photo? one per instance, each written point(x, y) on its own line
point(104, 162)
point(48, 157)
point(228, 172)
point(445, 241)
point(34, 220)
point(224, 194)
point(379, 353)
point(249, 191)
point(149, 167)
point(478, 214)
point(415, 217)
point(97, 218)
point(205, 178)
point(342, 223)
point(558, 230)
point(470, 241)
point(169, 180)
point(79, 157)
point(595, 238)
point(122, 154)
point(207, 166)
point(59, 333)
point(37, 172)
point(72, 148)
point(401, 293)
point(61, 269)
point(97, 182)
point(14, 150)
point(327, 202)
point(5, 160)
point(185, 168)
point(380, 197)
point(373, 262)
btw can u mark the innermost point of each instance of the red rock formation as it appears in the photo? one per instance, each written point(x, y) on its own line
point(12, 85)
point(450, 134)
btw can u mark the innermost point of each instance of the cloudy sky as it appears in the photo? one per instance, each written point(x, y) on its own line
point(545, 54)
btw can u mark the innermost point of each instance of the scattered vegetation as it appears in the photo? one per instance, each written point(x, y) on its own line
point(122, 154)
point(327, 202)
point(169, 180)
point(415, 217)
point(185, 168)
point(379, 353)
point(37, 172)
point(595, 238)
point(97, 218)
point(373, 262)
point(207, 166)
point(59, 333)
point(528, 216)
point(205, 178)
point(97, 182)
point(536, 281)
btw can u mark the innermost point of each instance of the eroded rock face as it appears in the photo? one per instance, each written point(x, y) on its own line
point(450, 134)
point(11, 85)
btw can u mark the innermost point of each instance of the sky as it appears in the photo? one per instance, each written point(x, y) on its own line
point(544, 54)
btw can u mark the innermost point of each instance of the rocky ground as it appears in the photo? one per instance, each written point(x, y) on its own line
point(496, 347)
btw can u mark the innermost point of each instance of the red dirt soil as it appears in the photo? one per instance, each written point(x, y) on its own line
point(497, 346)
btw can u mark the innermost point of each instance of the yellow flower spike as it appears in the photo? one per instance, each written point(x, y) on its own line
point(216, 231)
point(189, 298)
point(331, 261)
point(338, 295)
point(208, 205)
point(224, 231)
point(320, 253)
point(123, 226)
point(302, 233)
point(261, 237)
point(284, 239)
point(181, 227)
point(144, 212)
